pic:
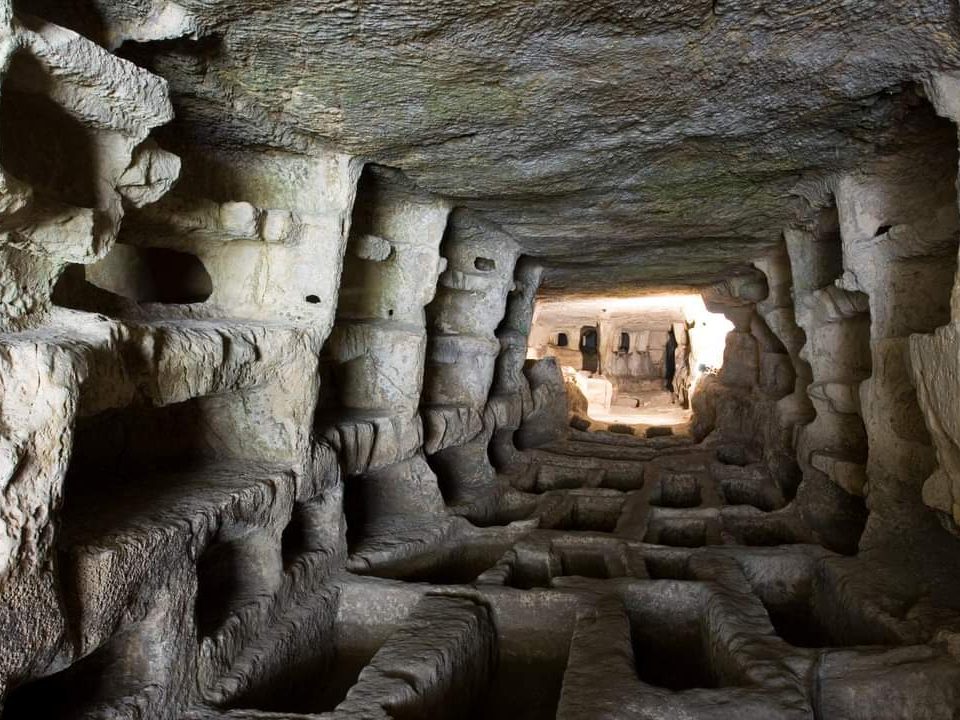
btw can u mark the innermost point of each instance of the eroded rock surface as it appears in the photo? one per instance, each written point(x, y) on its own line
point(295, 398)
point(672, 129)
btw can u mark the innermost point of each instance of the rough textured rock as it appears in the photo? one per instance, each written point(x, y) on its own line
point(287, 429)
point(675, 95)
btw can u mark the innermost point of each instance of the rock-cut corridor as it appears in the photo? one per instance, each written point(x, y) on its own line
point(479, 360)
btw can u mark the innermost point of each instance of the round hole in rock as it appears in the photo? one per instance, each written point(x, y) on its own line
point(484, 264)
point(312, 299)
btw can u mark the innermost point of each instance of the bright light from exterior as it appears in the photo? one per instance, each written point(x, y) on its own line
point(636, 360)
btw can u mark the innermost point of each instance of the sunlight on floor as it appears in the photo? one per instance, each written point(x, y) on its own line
point(654, 408)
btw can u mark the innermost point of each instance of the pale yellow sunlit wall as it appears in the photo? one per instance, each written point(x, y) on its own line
point(708, 337)
point(564, 318)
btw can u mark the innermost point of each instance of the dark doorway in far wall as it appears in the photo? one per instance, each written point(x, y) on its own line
point(589, 344)
point(670, 360)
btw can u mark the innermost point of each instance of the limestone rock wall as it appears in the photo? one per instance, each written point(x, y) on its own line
point(374, 358)
point(219, 365)
point(749, 400)
point(68, 160)
point(932, 355)
point(255, 386)
point(838, 340)
point(900, 239)
point(637, 366)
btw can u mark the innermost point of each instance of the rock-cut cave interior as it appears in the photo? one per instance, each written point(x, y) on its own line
point(479, 360)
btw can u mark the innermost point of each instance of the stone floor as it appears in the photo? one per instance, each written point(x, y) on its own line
point(647, 409)
point(627, 578)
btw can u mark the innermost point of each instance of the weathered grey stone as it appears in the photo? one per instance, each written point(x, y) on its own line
point(309, 309)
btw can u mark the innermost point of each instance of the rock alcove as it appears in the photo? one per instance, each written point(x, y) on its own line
point(479, 360)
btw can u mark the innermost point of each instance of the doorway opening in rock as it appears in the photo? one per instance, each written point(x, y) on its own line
point(638, 360)
point(588, 349)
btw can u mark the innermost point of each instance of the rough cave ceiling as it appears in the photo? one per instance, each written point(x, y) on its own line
point(618, 140)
